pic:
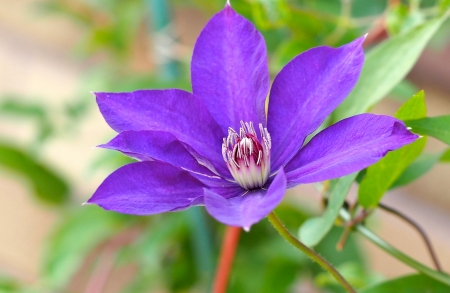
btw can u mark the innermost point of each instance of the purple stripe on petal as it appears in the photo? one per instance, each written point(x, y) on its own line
point(175, 111)
point(346, 147)
point(306, 91)
point(146, 188)
point(229, 70)
point(147, 145)
point(246, 210)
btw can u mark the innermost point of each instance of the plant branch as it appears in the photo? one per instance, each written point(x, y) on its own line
point(229, 246)
point(419, 229)
point(279, 226)
point(442, 277)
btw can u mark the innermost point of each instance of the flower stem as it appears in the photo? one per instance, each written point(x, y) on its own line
point(442, 277)
point(279, 226)
point(229, 246)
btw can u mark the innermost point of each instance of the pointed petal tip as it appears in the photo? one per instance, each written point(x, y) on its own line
point(247, 228)
point(86, 203)
point(101, 146)
point(228, 4)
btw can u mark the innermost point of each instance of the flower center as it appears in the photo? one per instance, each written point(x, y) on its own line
point(247, 157)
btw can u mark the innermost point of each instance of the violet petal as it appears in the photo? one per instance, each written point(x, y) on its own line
point(146, 188)
point(174, 111)
point(244, 210)
point(148, 145)
point(346, 147)
point(229, 70)
point(306, 91)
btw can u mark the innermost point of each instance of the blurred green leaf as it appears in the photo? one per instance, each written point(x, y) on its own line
point(446, 156)
point(417, 168)
point(164, 255)
point(15, 107)
point(351, 253)
point(409, 284)
point(8, 285)
point(314, 229)
point(351, 271)
point(275, 265)
point(437, 127)
point(395, 18)
point(385, 66)
point(401, 19)
point(383, 174)
point(46, 184)
point(361, 8)
point(74, 239)
point(403, 91)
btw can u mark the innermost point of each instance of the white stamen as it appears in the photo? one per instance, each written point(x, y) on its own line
point(247, 157)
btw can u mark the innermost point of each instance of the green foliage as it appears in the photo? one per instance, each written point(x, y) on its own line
point(385, 66)
point(38, 113)
point(420, 167)
point(110, 26)
point(383, 174)
point(8, 285)
point(46, 184)
point(409, 284)
point(315, 229)
point(437, 127)
point(78, 234)
point(401, 19)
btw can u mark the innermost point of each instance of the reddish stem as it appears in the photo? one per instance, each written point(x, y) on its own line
point(229, 246)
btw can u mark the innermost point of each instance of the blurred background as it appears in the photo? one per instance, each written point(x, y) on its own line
point(53, 53)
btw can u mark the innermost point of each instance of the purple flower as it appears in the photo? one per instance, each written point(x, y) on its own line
point(217, 147)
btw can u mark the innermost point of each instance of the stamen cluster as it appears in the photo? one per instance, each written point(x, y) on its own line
point(248, 158)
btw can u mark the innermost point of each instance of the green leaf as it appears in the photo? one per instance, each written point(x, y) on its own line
point(315, 229)
point(414, 108)
point(13, 106)
point(437, 127)
point(383, 174)
point(8, 285)
point(385, 66)
point(409, 284)
point(418, 168)
point(403, 91)
point(45, 183)
point(446, 156)
point(353, 272)
point(78, 235)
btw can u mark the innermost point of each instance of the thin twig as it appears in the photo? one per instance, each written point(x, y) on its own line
point(374, 238)
point(350, 224)
point(229, 246)
point(419, 229)
point(279, 226)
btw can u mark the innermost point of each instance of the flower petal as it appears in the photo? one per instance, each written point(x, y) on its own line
point(225, 188)
point(229, 70)
point(148, 145)
point(306, 91)
point(146, 188)
point(346, 147)
point(175, 111)
point(246, 210)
